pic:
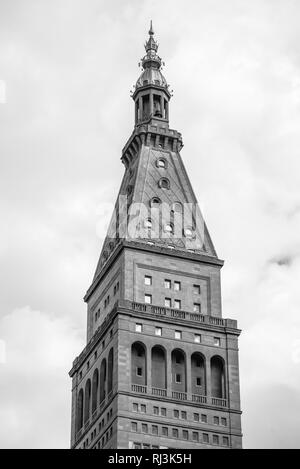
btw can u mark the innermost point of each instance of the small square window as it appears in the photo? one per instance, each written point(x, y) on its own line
point(177, 286)
point(133, 426)
point(138, 327)
point(216, 421)
point(156, 410)
point(176, 414)
point(183, 414)
point(177, 378)
point(196, 417)
point(148, 280)
point(178, 335)
point(198, 381)
point(223, 421)
point(175, 432)
point(148, 299)
point(168, 302)
point(197, 308)
point(197, 338)
point(158, 331)
point(164, 431)
point(154, 430)
point(139, 371)
point(204, 418)
point(144, 428)
point(217, 341)
point(177, 304)
point(215, 439)
point(135, 407)
point(168, 284)
point(225, 441)
point(205, 438)
point(143, 408)
point(196, 289)
point(195, 436)
point(163, 412)
point(185, 434)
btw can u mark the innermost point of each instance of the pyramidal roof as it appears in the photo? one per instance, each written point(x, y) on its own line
point(156, 205)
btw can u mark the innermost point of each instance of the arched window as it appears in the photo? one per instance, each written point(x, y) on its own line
point(161, 163)
point(164, 183)
point(110, 370)
point(198, 374)
point(138, 364)
point(155, 202)
point(95, 385)
point(87, 400)
point(158, 367)
point(178, 371)
point(169, 228)
point(79, 410)
point(148, 223)
point(102, 380)
point(217, 377)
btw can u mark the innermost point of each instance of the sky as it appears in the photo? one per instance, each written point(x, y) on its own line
point(66, 71)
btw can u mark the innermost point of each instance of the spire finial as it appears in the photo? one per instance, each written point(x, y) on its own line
point(151, 32)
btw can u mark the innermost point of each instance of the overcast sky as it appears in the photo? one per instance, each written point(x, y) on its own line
point(67, 67)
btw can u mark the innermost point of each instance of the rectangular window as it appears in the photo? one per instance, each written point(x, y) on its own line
point(217, 341)
point(196, 417)
point(133, 426)
point(143, 408)
point(138, 328)
point(185, 434)
point(197, 308)
point(144, 428)
point(205, 438)
point(177, 304)
point(198, 381)
point(216, 421)
point(158, 331)
point(183, 414)
point(154, 430)
point(195, 436)
point(175, 432)
point(177, 286)
point(164, 431)
point(178, 335)
point(223, 422)
point(139, 371)
point(167, 283)
point(137, 445)
point(203, 418)
point(215, 439)
point(163, 412)
point(146, 446)
point(148, 280)
point(156, 410)
point(168, 302)
point(103, 344)
point(177, 378)
point(148, 299)
point(197, 338)
point(176, 414)
point(225, 441)
point(196, 289)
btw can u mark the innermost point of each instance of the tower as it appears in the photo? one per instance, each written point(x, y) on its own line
point(160, 368)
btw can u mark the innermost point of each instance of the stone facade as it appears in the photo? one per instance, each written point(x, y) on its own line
point(160, 369)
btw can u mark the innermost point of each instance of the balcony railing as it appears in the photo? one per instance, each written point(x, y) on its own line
point(180, 396)
point(199, 398)
point(139, 388)
point(219, 402)
point(159, 392)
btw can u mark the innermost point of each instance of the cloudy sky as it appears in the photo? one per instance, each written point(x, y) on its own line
point(66, 68)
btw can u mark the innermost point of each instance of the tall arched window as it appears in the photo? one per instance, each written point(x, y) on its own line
point(217, 377)
point(178, 370)
point(79, 410)
point(95, 385)
point(138, 364)
point(110, 370)
point(87, 400)
point(158, 367)
point(103, 380)
point(198, 374)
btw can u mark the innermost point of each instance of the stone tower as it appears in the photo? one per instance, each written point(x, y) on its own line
point(160, 368)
